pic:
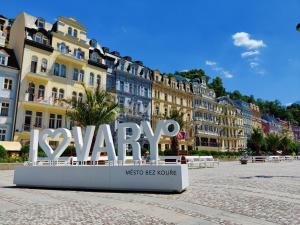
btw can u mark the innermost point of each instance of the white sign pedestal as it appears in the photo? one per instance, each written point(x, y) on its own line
point(157, 178)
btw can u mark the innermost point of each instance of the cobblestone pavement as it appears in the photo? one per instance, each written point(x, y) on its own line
point(261, 193)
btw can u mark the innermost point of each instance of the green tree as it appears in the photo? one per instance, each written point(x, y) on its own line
point(97, 108)
point(273, 143)
point(176, 115)
point(3, 152)
point(256, 142)
point(217, 85)
point(285, 145)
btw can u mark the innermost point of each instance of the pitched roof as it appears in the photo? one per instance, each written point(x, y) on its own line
point(12, 60)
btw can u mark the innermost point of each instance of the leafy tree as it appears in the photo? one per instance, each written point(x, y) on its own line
point(256, 142)
point(3, 152)
point(178, 117)
point(273, 143)
point(217, 85)
point(97, 109)
point(285, 145)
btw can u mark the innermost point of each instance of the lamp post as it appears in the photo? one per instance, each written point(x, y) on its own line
point(298, 27)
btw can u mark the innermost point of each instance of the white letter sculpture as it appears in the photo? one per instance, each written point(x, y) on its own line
point(132, 140)
point(83, 146)
point(104, 135)
point(53, 134)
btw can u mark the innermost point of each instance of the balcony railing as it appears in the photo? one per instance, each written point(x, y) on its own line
point(51, 101)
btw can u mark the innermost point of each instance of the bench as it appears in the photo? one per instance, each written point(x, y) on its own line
point(258, 159)
point(171, 159)
point(273, 158)
point(201, 161)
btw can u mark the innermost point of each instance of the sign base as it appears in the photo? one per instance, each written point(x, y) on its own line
point(152, 178)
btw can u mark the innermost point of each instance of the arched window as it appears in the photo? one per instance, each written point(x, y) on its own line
point(78, 53)
point(75, 33)
point(61, 93)
point(34, 62)
point(31, 90)
point(80, 97)
point(44, 65)
point(41, 93)
point(74, 98)
point(40, 23)
point(75, 74)
point(54, 93)
point(70, 31)
point(98, 80)
point(91, 80)
point(94, 57)
point(62, 47)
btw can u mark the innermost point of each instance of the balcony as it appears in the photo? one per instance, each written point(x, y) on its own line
point(37, 77)
point(45, 103)
point(42, 46)
point(67, 56)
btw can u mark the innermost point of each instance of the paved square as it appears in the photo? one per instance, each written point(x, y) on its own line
point(261, 193)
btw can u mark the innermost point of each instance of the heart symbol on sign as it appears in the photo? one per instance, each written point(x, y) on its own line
point(54, 134)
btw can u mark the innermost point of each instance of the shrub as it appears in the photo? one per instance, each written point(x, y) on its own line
point(3, 152)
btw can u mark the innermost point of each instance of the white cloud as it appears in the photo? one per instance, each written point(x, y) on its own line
point(210, 63)
point(253, 64)
point(242, 39)
point(214, 66)
point(250, 53)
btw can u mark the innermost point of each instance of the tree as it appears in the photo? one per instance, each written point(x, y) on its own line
point(273, 143)
point(3, 152)
point(98, 108)
point(285, 145)
point(176, 115)
point(256, 142)
point(217, 85)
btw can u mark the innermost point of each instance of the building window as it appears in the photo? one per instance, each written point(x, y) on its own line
point(70, 31)
point(7, 84)
point(91, 80)
point(94, 57)
point(81, 75)
point(75, 33)
point(122, 67)
point(56, 69)
point(166, 111)
point(27, 121)
point(75, 74)
point(166, 97)
point(63, 70)
point(2, 59)
point(4, 109)
point(41, 92)
point(98, 80)
point(74, 98)
point(2, 134)
point(146, 92)
point(38, 38)
point(31, 90)
point(34, 61)
point(38, 119)
point(44, 65)
point(61, 93)
point(122, 86)
point(62, 48)
point(80, 97)
point(59, 121)
point(40, 23)
point(130, 89)
point(78, 53)
point(157, 110)
point(52, 121)
point(54, 93)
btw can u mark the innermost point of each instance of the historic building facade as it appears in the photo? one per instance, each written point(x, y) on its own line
point(247, 118)
point(9, 85)
point(270, 125)
point(4, 30)
point(173, 93)
point(256, 116)
point(55, 60)
point(130, 82)
point(232, 136)
point(206, 116)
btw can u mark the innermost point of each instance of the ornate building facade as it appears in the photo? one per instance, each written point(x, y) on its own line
point(256, 116)
point(173, 93)
point(206, 116)
point(56, 59)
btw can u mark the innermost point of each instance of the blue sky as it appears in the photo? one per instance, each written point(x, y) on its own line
point(252, 45)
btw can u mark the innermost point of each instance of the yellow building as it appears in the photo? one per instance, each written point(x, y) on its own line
point(256, 116)
point(55, 60)
point(232, 136)
point(172, 93)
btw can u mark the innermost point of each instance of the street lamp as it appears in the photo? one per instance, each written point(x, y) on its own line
point(298, 27)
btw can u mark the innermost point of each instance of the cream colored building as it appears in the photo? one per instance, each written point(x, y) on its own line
point(256, 116)
point(55, 59)
point(172, 93)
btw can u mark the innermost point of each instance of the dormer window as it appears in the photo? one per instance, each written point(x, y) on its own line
point(62, 48)
point(3, 59)
point(39, 38)
point(40, 23)
point(93, 43)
